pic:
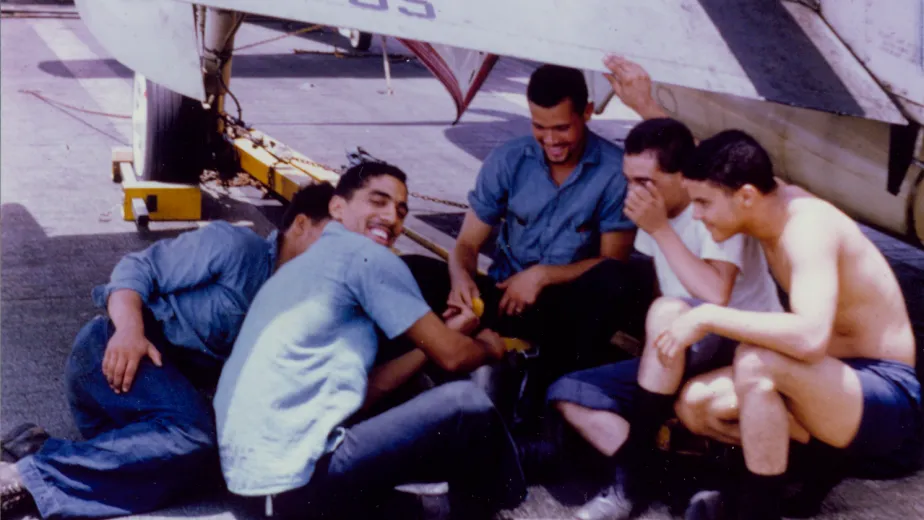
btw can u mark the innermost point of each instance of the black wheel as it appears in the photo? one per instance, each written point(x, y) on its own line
point(360, 41)
point(170, 134)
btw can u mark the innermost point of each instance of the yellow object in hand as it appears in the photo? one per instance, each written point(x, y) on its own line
point(515, 345)
point(478, 306)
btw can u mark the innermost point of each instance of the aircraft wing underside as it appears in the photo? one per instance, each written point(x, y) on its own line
point(780, 51)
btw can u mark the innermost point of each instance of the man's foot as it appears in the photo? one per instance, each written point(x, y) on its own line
point(611, 504)
point(23, 440)
point(625, 498)
point(14, 497)
point(419, 502)
point(707, 505)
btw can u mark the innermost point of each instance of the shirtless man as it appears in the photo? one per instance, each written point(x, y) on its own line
point(841, 361)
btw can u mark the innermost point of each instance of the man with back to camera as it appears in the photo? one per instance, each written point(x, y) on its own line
point(841, 361)
point(558, 276)
point(299, 371)
point(137, 378)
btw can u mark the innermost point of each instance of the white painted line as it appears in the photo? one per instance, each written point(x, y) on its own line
point(111, 95)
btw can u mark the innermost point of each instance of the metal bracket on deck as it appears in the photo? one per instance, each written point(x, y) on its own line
point(146, 201)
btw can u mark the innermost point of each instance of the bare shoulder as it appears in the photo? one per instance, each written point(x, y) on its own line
point(813, 224)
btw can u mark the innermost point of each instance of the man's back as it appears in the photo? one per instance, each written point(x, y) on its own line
point(299, 366)
point(871, 319)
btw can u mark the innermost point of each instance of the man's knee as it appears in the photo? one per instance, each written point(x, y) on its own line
point(86, 356)
point(710, 397)
point(568, 411)
point(463, 397)
point(755, 369)
point(664, 310)
point(692, 406)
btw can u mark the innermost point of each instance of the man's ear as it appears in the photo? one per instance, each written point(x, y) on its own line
point(588, 111)
point(336, 206)
point(301, 224)
point(747, 195)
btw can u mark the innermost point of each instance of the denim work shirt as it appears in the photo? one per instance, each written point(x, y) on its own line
point(544, 223)
point(300, 365)
point(198, 285)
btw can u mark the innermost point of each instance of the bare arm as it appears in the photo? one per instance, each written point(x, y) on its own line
point(709, 280)
point(805, 332)
point(387, 377)
point(125, 306)
point(463, 259)
point(391, 375)
point(615, 244)
point(128, 345)
point(452, 350)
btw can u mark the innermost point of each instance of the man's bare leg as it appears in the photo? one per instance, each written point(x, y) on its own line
point(708, 405)
point(604, 430)
point(631, 449)
point(653, 375)
point(607, 431)
point(826, 397)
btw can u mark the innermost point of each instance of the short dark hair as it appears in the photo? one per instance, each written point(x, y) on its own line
point(312, 201)
point(669, 139)
point(549, 85)
point(358, 175)
point(732, 159)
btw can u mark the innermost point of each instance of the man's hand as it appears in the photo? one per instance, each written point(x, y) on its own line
point(123, 354)
point(461, 319)
point(521, 290)
point(645, 207)
point(632, 85)
point(463, 291)
point(492, 342)
point(686, 330)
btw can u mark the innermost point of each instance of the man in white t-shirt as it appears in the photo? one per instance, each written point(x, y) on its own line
point(691, 268)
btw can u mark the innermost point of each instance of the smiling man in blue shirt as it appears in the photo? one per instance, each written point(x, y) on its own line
point(303, 366)
point(559, 275)
point(136, 378)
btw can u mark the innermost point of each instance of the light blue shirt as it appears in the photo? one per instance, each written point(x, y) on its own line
point(198, 285)
point(299, 367)
point(544, 223)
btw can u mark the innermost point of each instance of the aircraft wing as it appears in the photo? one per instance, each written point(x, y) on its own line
point(769, 50)
point(461, 71)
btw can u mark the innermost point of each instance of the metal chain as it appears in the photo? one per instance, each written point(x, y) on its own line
point(429, 198)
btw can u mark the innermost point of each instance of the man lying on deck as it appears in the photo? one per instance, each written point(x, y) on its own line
point(691, 268)
point(137, 379)
point(841, 361)
point(559, 267)
point(300, 369)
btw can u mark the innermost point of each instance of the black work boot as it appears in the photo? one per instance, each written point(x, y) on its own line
point(23, 440)
point(14, 498)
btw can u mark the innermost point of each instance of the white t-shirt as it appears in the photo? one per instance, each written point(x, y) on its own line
point(754, 289)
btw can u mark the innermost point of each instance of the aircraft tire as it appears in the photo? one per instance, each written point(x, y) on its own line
point(169, 134)
point(360, 41)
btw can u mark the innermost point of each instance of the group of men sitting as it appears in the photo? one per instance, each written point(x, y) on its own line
point(301, 336)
